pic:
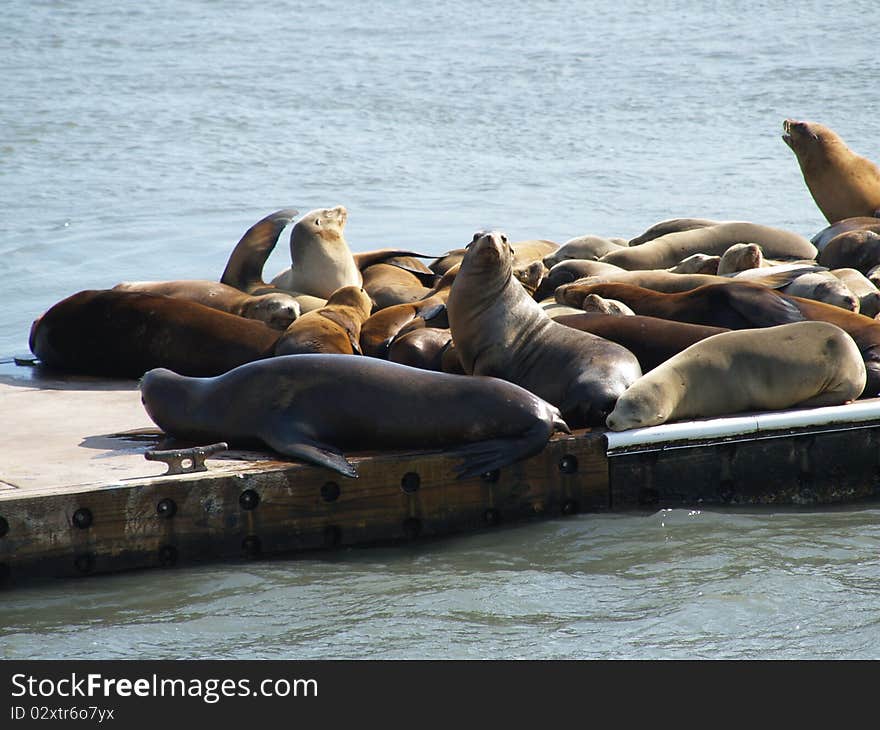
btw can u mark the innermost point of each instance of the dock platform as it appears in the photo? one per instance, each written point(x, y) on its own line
point(78, 497)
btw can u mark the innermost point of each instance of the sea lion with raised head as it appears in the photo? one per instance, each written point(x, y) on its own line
point(498, 329)
point(669, 250)
point(332, 329)
point(804, 364)
point(123, 334)
point(842, 183)
point(740, 257)
point(277, 309)
point(315, 407)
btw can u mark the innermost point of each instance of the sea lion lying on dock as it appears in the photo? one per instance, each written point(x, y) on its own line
point(315, 407)
point(800, 364)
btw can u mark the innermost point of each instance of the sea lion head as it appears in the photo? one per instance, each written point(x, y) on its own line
point(740, 257)
point(530, 276)
point(166, 395)
point(278, 310)
point(807, 139)
point(352, 296)
point(489, 251)
point(639, 407)
point(324, 223)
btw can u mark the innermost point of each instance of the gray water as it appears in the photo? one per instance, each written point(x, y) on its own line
point(140, 140)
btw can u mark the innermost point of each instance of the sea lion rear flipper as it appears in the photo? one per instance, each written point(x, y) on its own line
point(484, 456)
point(764, 307)
point(311, 452)
point(244, 269)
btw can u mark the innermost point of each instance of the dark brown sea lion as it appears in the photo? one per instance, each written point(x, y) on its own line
point(571, 270)
point(859, 223)
point(421, 348)
point(277, 309)
point(124, 334)
point(742, 305)
point(803, 364)
point(668, 250)
point(650, 339)
point(315, 407)
point(843, 184)
point(858, 250)
point(332, 329)
point(498, 329)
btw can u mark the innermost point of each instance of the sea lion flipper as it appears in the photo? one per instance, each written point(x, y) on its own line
point(484, 456)
point(764, 307)
point(311, 452)
point(244, 269)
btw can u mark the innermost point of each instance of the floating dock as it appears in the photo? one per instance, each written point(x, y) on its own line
point(80, 493)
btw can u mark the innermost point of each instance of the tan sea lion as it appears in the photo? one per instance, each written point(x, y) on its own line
point(672, 225)
point(863, 288)
point(332, 329)
point(315, 407)
point(858, 250)
point(842, 183)
point(698, 263)
point(123, 334)
point(525, 253)
point(823, 286)
point(740, 257)
point(499, 329)
point(278, 309)
point(804, 364)
point(321, 261)
point(530, 276)
point(744, 305)
point(595, 303)
point(588, 248)
point(669, 250)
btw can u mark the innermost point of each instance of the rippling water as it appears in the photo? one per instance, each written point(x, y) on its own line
point(141, 140)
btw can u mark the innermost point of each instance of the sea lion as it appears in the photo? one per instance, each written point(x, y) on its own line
point(672, 225)
point(865, 289)
point(499, 329)
point(740, 257)
point(244, 269)
point(388, 285)
point(530, 276)
point(650, 339)
point(571, 270)
point(420, 348)
point(743, 305)
point(333, 329)
point(525, 253)
point(383, 326)
point(804, 364)
point(823, 286)
point(315, 407)
point(554, 309)
point(859, 223)
point(698, 263)
point(842, 183)
point(583, 247)
point(321, 261)
point(277, 309)
point(858, 250)
point(124, 334)
point(668, 250)
point(401, 258)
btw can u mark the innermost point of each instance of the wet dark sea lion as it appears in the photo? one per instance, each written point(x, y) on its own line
point(842, 183)
point(315, 407)
point(650, 339)
point(124, 334)
point(499, 330)
point(420, 348)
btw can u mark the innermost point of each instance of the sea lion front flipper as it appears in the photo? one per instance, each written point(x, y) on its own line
point(484, 456)
point(244, 269)
point(763, 307)
point(311, 452)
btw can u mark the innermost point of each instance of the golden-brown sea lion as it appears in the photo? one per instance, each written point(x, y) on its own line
point(124, 334)
point(668, 250)
point(277, 309)
point(315, 407)
point(792, 365)
point(842, 183)
point(499, 329)
point(332, 329)
point(388, 285)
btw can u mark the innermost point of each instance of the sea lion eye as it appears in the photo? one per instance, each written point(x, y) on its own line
point(317, 221)
point(503, 238)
